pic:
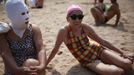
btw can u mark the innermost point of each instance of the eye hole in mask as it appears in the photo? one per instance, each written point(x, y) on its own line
point(27, 12)
point(23, 13)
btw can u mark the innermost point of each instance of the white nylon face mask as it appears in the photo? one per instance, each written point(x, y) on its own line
point(17, 12)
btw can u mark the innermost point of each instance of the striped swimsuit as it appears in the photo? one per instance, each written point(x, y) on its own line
point(82, 49)
point(22, 49)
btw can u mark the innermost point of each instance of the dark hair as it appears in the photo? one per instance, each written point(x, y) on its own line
point(113, 1)
point(101, 1)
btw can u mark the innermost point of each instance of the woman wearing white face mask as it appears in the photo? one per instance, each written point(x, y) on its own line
point(23, 41)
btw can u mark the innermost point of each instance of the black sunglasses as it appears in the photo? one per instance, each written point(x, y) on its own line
point(74, 17)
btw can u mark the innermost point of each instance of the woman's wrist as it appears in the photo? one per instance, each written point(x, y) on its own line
point(20, 70)
point(17, 70)
point(42, 66)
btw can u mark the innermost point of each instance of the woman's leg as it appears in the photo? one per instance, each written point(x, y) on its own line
point(111, 57)
point(105, 69)
point(98, 16)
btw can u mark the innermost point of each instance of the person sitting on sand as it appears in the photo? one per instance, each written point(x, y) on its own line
point(102, 18)
point(101, 57)
point(22, 42)
point(35, 3)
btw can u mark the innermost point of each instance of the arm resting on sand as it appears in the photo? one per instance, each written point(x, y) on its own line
point(59, 41)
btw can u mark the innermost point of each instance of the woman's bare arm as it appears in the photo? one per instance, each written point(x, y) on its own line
point(39, 46)
point(8, 59)
point(91, 33)
point(59, 40)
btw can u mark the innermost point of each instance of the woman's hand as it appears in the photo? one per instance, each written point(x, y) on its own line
point(37, 69)
point(129, 56)
point(23, 71)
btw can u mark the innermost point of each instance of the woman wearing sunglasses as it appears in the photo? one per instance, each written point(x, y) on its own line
point(94, 56)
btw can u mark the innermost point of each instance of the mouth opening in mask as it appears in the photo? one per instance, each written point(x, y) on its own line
point(27, 22)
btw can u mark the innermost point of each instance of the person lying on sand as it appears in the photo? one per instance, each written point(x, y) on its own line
point(109, 13)
point(101, 57)
point(21, 42)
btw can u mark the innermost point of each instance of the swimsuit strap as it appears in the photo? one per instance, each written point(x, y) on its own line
point(30, 27)
point(82, 31)
point(71, 34)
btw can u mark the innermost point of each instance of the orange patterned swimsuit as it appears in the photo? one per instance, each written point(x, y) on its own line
point(82, 49)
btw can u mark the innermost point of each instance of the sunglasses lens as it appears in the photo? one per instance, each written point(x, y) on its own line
point(74, 17)
point(80, 17)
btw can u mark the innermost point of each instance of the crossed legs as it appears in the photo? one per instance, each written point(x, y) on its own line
point(112, 64)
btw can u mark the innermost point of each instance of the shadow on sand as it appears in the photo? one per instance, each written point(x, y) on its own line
point(79, 70)
point(120, 26)
point(52, 72)
point(131, 72)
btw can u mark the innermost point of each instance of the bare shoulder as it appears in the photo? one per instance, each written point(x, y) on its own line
point(35, 27)
point(36, 30)
point(61, 35)
point(86, 27)
point(63, 30)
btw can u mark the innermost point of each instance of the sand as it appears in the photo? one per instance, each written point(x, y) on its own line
point(53, 16)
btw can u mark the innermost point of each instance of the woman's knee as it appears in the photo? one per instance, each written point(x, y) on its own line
point(93, 10)
point(117, 72)
point(114, 71)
